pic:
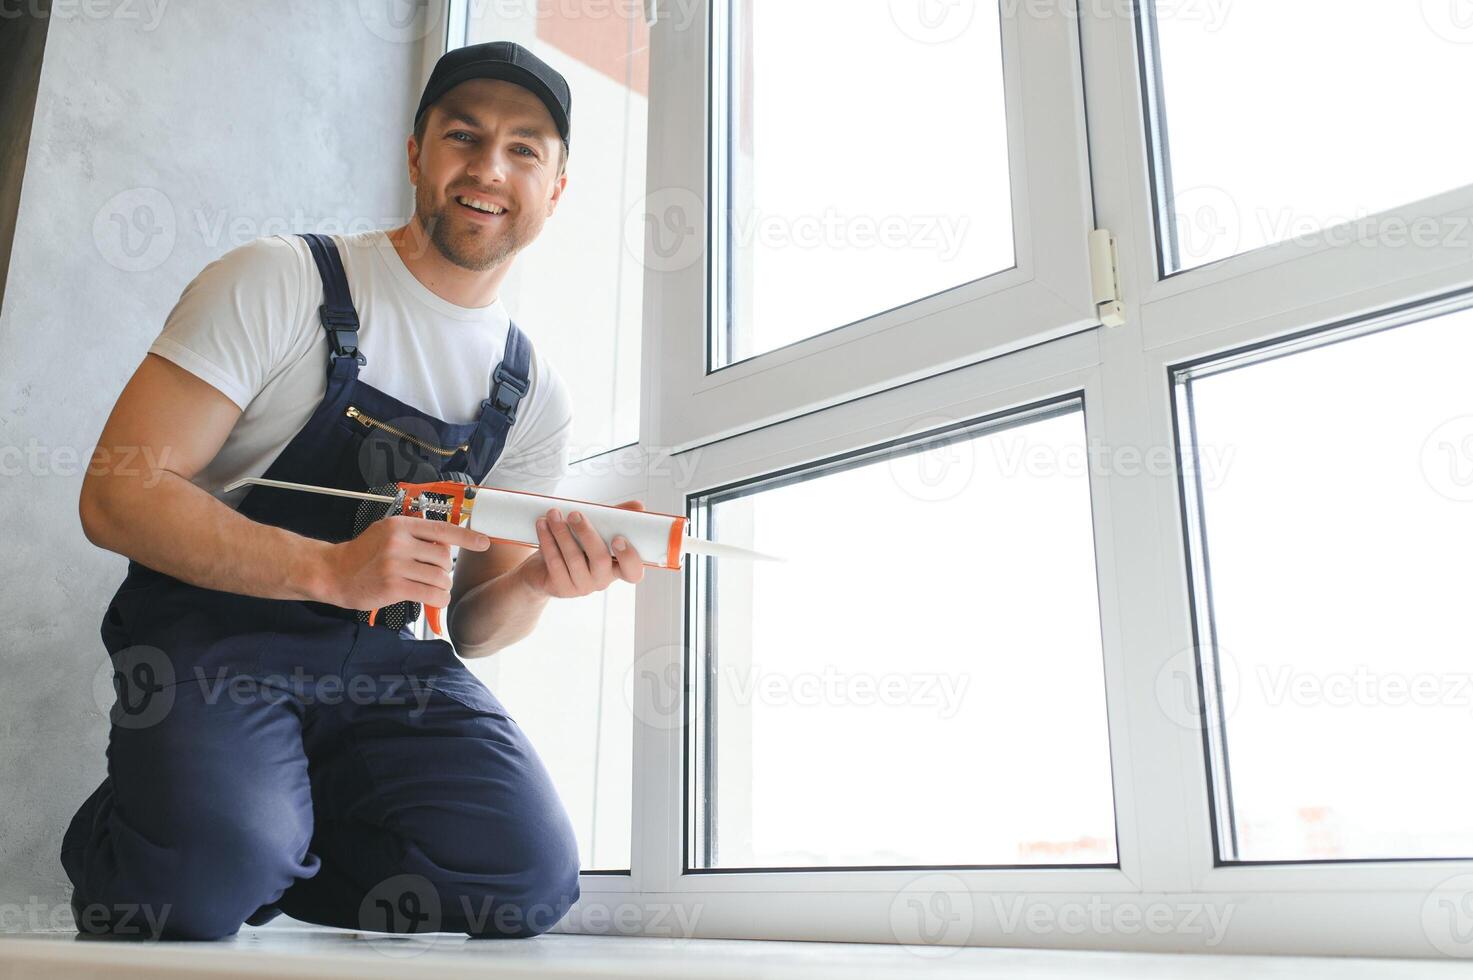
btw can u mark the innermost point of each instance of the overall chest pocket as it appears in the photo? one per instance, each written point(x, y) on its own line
point(400, 450)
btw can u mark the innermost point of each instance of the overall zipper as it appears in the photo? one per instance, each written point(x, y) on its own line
point(368, 422)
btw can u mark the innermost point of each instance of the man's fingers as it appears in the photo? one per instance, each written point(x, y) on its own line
point(572, 554)
point(552, 558)
point(427, 595)
point(418, 582)
point(628, 562)
point(631, 505)
point(593, 545)
point(430, 552)
point(446, 533)
point(426, 574)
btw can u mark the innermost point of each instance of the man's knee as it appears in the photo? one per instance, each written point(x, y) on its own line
point(528, 915)
point(544, 889)
point(200, 887)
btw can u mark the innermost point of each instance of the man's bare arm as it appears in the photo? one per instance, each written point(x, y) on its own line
point(137, 500)
point(501, 610)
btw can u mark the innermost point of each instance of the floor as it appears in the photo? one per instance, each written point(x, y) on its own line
point(313, 952)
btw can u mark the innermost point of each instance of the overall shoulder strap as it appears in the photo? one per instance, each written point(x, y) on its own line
point(339, 318)
point(512, 380)
point(512, 375)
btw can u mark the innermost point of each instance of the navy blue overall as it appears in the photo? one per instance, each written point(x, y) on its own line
point(274, 756)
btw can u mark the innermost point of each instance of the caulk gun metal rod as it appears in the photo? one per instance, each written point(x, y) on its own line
point(283, 484)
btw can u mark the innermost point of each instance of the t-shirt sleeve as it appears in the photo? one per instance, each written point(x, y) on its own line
point(231, 325)
point(535, 458)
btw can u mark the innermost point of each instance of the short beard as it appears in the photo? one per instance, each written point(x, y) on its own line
point(491, 251)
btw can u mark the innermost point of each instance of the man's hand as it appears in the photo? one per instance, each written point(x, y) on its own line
point(395, 559)
point(572, 560)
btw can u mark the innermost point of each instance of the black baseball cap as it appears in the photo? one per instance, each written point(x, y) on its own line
point(509, 62)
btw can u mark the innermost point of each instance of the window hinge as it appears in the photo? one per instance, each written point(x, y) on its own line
point(1104, 274)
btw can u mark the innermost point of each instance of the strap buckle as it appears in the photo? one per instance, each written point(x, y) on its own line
point(507, 406)
point(342, 333)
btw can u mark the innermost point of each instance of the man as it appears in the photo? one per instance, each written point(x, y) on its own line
point(271, 751)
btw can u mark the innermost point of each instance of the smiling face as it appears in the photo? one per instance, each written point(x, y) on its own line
point(487, 170)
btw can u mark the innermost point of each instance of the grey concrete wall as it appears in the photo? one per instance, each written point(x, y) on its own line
point(165, 133)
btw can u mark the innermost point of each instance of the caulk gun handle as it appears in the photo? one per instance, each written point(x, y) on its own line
point(432, 612)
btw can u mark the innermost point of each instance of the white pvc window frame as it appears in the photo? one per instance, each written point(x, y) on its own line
point(858, 386)
point(1045, 295)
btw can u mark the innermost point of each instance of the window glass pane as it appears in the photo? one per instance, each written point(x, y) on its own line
point(565, 686)
point(577, 290)
point(1282, 119)
point(920, 683)
point(863, 172)
point(1337, 519)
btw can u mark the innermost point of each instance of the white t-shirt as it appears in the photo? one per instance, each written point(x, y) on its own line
point(248, 326)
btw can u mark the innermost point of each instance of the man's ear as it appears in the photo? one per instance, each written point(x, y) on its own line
point(412, 150)
point(557, 192)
